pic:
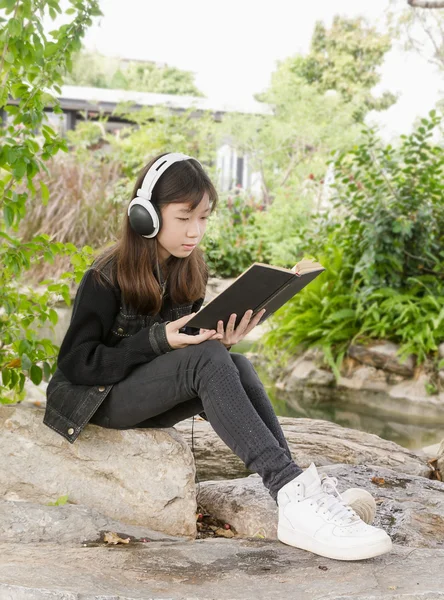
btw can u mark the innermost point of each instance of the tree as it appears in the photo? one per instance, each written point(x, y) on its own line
point(426, 3)
point(345, 58)
point(32, 65)
point(94, 69)
point(420, 30)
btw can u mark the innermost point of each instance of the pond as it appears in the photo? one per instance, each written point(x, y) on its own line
point(405, 430)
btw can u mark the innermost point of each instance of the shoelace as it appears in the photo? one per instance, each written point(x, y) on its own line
point(329, 500)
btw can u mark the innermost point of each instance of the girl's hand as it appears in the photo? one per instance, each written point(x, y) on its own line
point(181, 340)
point(232, 336)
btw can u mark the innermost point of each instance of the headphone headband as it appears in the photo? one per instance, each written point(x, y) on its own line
point(156, 170)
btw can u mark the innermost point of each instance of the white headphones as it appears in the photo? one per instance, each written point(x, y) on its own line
point(144, 216)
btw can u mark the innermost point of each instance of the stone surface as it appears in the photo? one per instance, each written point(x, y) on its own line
point(28, 523)
point(409, 508)
point(431, 451)
point(415, 391)
point(310, 440)
point(139, 476)
point(383, 355)
point(306, 371)
point(441, 459)
point(367, 378)
point(226, 569)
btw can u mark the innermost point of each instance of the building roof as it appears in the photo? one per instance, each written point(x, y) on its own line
point(81, 98)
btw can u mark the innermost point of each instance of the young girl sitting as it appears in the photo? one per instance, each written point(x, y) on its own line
point(129, 360)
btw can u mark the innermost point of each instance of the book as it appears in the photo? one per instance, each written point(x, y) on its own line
point(260, 286)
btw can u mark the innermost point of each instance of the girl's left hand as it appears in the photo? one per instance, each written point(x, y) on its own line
point(232, 336)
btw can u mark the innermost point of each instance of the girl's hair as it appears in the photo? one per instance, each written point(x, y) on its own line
point(134, 258)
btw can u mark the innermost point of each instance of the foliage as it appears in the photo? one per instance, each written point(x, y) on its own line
point(391, 200)
point(158, 129)
point(382, 246)
point(344, 58)
point(232, 242)
point(283, 226)
point(81, 208)
point(94, 69)
point(31, 69)
point(419, 30)
point(296, 139)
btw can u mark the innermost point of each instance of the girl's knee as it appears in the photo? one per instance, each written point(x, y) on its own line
point(246, 369)
point(212, 349)
point(242, 363)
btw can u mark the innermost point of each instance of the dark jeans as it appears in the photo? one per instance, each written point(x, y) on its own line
point(206, 377)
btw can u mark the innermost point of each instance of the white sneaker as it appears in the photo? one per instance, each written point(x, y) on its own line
point(312, 518)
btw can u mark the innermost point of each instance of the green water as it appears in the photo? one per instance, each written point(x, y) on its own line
point(402, 429)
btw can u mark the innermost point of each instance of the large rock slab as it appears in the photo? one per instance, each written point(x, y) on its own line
point(139, 476)
point(310, 440)
point(218, 568)
point(440, 462)
point(29, 523)
point(409, 508)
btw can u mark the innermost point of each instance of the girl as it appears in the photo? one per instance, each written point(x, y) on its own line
point(129, 360)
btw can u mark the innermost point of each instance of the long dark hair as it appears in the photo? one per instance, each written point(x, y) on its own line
point(135, 257)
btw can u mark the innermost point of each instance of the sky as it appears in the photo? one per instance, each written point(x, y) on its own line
point(232, 47)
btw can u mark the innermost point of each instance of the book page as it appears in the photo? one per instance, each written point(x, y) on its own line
point(306, 265)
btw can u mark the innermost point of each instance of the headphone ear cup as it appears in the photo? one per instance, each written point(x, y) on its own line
point(142, 221)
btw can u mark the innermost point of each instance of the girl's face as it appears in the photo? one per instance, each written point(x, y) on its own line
point(181, 229)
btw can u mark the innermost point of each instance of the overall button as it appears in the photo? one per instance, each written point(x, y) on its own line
point(102, 388)
point(120, 330)
point(70, 431)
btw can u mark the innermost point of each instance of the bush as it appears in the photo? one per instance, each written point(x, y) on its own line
point(233, 241)
point(382, 247)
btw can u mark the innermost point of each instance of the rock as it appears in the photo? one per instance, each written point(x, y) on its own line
point(415, 391)
point(431, 451)
point(226, 569)
point(409, 508)
point(441, 459)
point(383, 356)
point(365, 378)
point(307, 373)
point(309, 440)
point(29, 523)
point(139, 476)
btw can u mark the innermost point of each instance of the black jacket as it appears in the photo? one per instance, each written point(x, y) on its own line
point(105, 341)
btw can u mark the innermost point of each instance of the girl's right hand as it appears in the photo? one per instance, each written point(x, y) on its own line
point(181, 340)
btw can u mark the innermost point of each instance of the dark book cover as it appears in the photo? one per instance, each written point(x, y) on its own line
point(260, 286)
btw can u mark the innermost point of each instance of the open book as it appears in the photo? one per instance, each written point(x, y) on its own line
point(260, 286)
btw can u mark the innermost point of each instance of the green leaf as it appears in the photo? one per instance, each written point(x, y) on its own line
point(45, 193)
point(36, 374)
point(19, 169)
point(14, 27)
point(6, 376)
point(8, 215)
point(46, 371)
point(53, 316)
point(26, 362)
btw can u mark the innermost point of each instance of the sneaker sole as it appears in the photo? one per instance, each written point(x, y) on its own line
point(304, 542)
